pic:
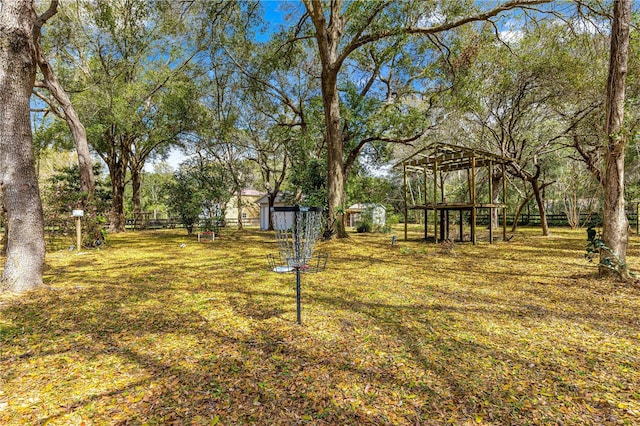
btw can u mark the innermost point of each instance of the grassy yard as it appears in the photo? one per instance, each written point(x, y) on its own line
point(160, 329)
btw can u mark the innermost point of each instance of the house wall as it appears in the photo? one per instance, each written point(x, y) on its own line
point(378, 215)
point(264, 214)
point(250, 209)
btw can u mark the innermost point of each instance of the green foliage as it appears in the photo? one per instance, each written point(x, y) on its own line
point(385, 229)
point(199, 189)
point(62, 194)
point(185, 198)
point(153, 196)
point(393, 219)
point(52, 134)
point(363, 188)
point(310, 177)
point(364, 226)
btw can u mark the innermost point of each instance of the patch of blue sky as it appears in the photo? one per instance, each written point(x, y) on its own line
point(277, 13)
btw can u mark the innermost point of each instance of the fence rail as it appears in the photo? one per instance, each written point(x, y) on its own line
point(553, 220)
point(585, 219)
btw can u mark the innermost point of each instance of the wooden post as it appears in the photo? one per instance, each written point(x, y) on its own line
point(406, 196)
point(473, 200)
point(78, 233)
point(444, 219)
point(78, 214)
point(426, 211)
point(460, 225)
point(435, 201)
point(504, 203)
point(469, 183)
point(491, 209)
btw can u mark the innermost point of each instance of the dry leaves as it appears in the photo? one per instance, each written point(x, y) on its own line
point(149, 332)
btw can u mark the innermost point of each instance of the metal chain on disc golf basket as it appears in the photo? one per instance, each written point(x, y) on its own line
point(297, 230)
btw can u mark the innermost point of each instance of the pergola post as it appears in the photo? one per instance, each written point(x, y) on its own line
point(444, 214)
point(406, 196)
point(435, 200)
point(491, 209)
point(473, 200)
point(426, 211)
point(504, 203)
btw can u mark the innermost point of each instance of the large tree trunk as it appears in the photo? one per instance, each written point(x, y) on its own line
point(117, 172)
point(328, 35)
point(136, 183)
point(516, 216)
point(117, 219)
point(335, 161)
point(615, 226)
point(4, 221)
point(537, 192)
point(271, 199)
point(525, 202)
point(25, 248)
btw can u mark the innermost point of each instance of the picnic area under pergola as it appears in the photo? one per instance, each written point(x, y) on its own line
point(433, 162)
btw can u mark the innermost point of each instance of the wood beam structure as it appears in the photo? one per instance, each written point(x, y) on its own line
point(433, 162)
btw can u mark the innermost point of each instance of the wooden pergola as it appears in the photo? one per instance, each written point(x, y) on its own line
point(439, 158)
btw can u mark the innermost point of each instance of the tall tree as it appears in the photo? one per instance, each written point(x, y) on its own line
point(19, 25)
point(508, 102)
point(128, 60)
point(615, 225)
point(340, 28)
point(278, 89)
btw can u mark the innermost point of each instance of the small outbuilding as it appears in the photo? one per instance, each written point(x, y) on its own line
point(377, 213)
point(281, 200)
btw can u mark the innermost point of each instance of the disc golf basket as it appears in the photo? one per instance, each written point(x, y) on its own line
point(297, 230)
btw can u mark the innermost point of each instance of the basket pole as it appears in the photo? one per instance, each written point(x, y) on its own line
point(298, 297)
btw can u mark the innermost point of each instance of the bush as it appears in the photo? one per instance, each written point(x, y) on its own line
point(364, 227)
point(393, 219)
point(61, 194)
point(384, 229)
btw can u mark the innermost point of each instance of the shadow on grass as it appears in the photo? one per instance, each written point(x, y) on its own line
point(185, 335)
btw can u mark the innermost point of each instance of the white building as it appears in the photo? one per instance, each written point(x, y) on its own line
point(378, 214)
point(263, 202)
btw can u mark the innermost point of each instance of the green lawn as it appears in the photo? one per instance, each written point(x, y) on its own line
point(147, 331)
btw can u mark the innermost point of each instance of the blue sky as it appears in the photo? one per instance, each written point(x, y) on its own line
point(272, 11)
point(274, 15)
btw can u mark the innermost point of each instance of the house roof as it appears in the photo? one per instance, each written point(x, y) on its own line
point(363, 206)
point(252, 193)
point(279, 198)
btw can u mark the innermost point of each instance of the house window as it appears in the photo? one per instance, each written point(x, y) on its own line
point(244, 215)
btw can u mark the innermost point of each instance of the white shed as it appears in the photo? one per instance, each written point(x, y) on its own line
point(263, 202)
point(378, 213)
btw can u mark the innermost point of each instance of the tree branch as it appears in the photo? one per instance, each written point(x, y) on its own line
point(366, 39)
point(42, 19)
